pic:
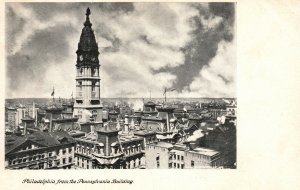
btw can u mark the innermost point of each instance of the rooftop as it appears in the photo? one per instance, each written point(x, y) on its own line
point(46, 139)
point(162, 144)
point(144, 132)
point(204, 151)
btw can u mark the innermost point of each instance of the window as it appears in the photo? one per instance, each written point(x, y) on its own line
point(63, 160)
point(181, 157)
point(50, 163)
point(80, 85)
point(70, 150)
point(58, 162)
point(70, 160)
point(192, 163)
point(93, 86)
point(41, 165)
point(64, 151)
point(170, 165)
point(157, 160)
point(93, 72)
point(50, 154)
point(182, 166)
point(94, 113)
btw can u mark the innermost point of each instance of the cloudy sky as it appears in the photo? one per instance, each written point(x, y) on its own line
point(187, 46)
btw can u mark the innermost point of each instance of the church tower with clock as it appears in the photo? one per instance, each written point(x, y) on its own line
point(87, 106)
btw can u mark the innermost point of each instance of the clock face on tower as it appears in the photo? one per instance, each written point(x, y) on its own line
point(80, 57)
point(93, 58)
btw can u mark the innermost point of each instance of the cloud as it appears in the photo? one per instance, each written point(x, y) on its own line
point(142, 46)
point(218, 78)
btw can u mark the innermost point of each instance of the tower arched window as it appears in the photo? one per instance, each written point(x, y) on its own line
point(93, 72)
point(93, 86)
point(80, 85)
point(81, 71)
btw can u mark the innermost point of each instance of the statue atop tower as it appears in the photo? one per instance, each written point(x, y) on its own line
point(87, 105)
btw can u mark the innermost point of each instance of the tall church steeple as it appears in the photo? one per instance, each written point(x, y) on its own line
point(87, 101)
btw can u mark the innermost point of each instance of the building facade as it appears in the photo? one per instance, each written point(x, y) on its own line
point(105, 148)
point(40, 150)
point(163, 155)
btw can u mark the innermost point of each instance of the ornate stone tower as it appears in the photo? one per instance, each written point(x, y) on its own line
point(87, 103)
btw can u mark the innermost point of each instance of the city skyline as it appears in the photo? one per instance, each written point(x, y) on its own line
point(189, 47)
point(87, 133)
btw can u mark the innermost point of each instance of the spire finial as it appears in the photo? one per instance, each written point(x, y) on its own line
point(87, 21)
point(88, 12)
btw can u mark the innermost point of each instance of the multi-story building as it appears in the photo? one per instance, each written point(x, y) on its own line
point(12, 118)
point(39, 150)
point(87, 100)
point(223, 139)
point(231, 108)
point(125, 110)
point(163, 155)
point(149, 108)
point(158, 155)
point(197, 158)
point(105, 148)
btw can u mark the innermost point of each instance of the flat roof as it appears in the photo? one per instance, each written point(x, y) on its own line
point(204, 151)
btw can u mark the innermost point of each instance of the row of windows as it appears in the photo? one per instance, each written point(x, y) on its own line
point(174, 165)
point(83, 162)
point(178, 157)
point(93, 72)
point(27, 159)
point(126, 150)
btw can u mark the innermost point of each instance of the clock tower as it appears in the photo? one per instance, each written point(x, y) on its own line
point(87, 106)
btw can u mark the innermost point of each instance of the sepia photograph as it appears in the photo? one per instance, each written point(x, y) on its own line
point(115, 85)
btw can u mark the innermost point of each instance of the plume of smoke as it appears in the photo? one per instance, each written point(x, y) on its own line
point(196, 135)
point(137, 104)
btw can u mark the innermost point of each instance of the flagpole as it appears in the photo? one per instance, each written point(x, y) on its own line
point(165, 95)
point(52, 94)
